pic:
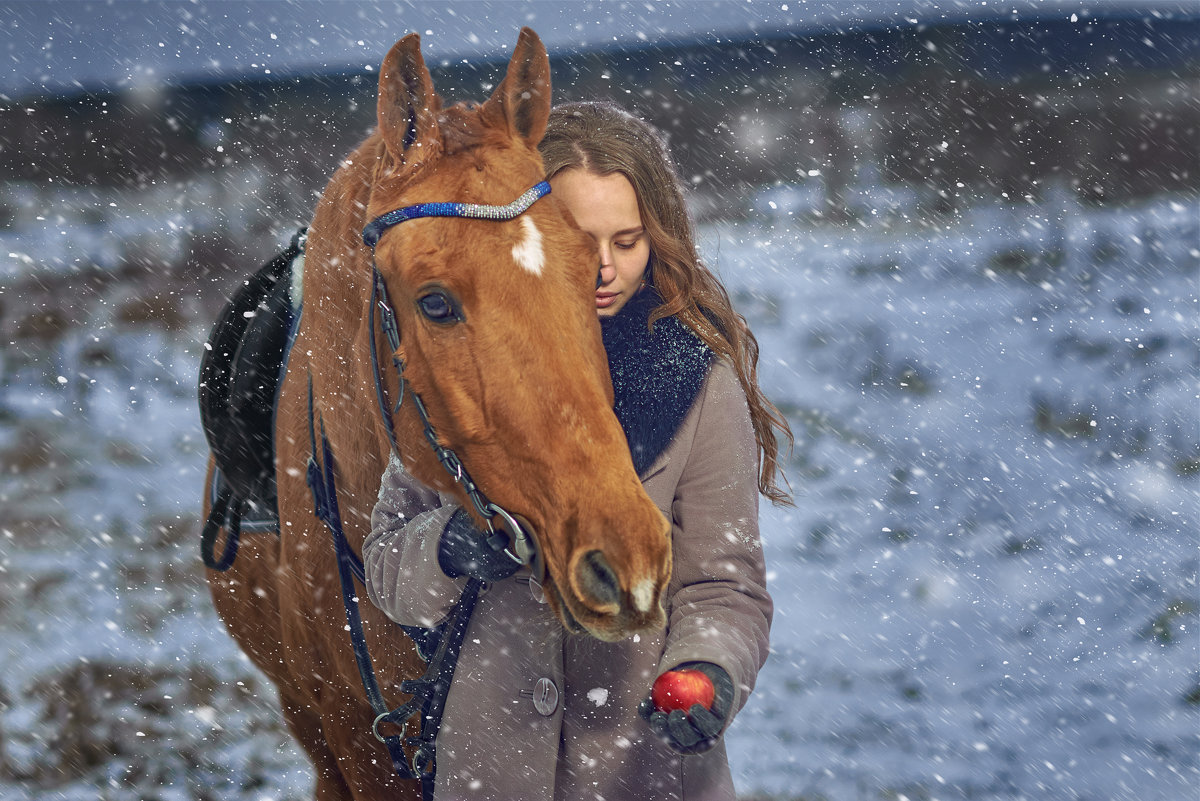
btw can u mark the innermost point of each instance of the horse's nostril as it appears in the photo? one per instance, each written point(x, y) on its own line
point(597, 579)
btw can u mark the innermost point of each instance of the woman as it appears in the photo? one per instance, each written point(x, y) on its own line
point(534, 713)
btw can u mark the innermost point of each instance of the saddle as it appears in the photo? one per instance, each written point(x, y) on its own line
point(243, 363)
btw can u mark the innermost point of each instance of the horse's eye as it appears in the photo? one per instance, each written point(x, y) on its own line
point(438, 307)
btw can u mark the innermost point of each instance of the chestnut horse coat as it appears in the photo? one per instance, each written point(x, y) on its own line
point(589, 743)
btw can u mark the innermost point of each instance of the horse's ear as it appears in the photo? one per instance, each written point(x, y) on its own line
point(408, 106)
point(523, 97)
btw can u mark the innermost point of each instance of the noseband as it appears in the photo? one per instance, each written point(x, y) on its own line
point(521, 549)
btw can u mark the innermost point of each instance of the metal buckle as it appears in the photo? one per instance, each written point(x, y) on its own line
point(379, 718)
point(521, 543)
point(423, 760)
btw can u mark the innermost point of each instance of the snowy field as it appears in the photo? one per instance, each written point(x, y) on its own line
point(988, 586)
point(986, 590)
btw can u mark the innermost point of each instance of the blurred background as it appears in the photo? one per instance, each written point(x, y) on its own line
point(966, 234)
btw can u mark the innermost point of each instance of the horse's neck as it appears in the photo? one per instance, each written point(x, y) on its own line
point(337, 284)
point(337, 273)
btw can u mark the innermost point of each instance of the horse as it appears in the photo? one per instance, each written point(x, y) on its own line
point(499, 341)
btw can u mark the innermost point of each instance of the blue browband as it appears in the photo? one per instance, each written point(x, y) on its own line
point(477, 211)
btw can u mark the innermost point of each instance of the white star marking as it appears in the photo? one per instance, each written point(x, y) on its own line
point(528, 253)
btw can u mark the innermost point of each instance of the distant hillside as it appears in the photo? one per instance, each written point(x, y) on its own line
point(1107, 105)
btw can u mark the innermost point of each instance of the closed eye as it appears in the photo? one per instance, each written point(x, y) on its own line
point(439, 307)
point(628, 239)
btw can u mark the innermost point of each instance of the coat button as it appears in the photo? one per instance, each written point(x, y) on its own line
point(545, 697)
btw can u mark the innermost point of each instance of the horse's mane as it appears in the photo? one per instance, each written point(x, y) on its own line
point(462, 129)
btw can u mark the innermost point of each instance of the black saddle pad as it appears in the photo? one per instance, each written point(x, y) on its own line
point(240, 373)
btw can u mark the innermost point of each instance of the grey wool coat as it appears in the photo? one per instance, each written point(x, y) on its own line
point(494, 742)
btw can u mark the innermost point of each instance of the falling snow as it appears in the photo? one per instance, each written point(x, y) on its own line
point(975, 295)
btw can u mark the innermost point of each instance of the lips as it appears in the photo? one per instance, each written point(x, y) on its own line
point(606, 299)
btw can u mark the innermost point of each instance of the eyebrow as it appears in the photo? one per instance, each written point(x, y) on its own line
point(641, 229)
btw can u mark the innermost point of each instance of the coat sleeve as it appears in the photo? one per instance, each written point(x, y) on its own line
point(721, 611)
point(400, 554)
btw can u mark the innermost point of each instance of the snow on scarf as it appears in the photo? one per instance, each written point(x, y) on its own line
point(656, 375)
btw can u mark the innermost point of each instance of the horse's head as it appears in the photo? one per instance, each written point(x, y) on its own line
point(500, 340)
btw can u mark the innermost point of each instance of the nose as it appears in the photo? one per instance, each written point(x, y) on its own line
point(598, 581)
point(606, 274)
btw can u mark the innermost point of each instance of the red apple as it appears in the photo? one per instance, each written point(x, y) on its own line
point(679, 689)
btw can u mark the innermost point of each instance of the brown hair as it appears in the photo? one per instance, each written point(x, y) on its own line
point(603, 139)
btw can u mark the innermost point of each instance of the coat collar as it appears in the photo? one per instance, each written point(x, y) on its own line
point(656, 375)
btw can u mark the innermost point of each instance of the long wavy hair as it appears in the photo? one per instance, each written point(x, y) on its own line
point(603, 138)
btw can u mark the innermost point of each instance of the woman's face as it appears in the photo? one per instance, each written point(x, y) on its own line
point(606, 208)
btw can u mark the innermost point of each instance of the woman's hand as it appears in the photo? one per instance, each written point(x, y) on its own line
point(698, 729)
point(464, 550)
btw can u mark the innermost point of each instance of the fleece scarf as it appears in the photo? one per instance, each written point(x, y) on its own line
point(656, 375)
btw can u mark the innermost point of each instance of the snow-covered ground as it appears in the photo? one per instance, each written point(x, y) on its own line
point(986, 589)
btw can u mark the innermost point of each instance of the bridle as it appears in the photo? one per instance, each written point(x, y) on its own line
point(521, 548)
point(438, 647)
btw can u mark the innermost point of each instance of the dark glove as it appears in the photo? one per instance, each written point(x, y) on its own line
point(464, 550)
point(697, 730)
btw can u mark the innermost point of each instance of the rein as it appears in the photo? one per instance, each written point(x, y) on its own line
point(438, 647)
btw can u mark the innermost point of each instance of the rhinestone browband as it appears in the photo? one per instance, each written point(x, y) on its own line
point(477, 211)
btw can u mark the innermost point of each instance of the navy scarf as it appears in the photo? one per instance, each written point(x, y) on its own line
point(656, 375)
